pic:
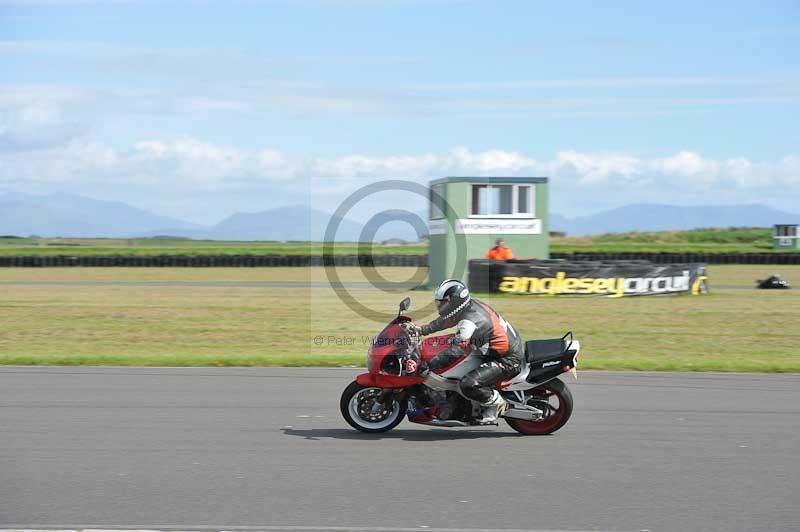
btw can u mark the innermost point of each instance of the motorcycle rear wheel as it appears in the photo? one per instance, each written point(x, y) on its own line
point(555, 399)
point(357, 404)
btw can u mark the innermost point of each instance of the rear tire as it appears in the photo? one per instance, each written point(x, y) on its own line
point(356, 406)
point(559, 400)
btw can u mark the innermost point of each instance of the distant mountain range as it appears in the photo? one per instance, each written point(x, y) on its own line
point(297, 222)
point(657, 217)
point(70, 215)
point(63, 214)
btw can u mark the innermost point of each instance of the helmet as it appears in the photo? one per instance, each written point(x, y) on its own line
point(451, 296)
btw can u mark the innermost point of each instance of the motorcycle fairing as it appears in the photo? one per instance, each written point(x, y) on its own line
point(558, 356)
point(379, 380)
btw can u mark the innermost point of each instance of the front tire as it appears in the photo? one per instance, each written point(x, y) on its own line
point(362, 412)
point(555, 399)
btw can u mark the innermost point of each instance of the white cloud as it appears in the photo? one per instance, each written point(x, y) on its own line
point(580, 180)
point(488, 162)
point(71, 2)
point(227, 98)
point(690, 168)
point(609, 82)
point(36, 126)
point(536, 99)
point(598, 168)
point(193, 160)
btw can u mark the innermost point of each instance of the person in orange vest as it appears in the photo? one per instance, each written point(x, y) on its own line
point(500, 251)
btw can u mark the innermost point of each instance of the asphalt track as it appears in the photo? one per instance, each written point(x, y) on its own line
point(266, 449)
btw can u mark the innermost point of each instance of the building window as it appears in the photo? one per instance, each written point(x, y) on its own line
point(524, 200)
point(502, 200)
point(437, 202)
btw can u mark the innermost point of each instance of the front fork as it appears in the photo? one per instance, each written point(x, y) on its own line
point(390, 394)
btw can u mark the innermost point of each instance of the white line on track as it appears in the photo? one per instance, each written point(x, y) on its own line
point(268, 528)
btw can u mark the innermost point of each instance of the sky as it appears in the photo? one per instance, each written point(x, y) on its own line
point(199, 109)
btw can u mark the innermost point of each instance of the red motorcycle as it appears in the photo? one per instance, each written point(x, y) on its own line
point(377, 401)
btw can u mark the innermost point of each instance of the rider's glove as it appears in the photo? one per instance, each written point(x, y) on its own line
point(411, 328)
point(424, 371)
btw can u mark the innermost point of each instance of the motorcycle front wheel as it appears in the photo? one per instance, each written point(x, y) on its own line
point(362, 411)
point(555, 400)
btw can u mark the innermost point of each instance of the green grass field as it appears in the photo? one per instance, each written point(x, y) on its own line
point(172, 246)
point(738, 240)
point(731, 240)
point(174, 316)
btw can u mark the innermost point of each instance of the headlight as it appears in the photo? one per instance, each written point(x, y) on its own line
point(390, 365)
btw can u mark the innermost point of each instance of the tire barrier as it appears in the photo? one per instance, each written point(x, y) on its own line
point(261, 261)
point(676, 258)
point(214, 261)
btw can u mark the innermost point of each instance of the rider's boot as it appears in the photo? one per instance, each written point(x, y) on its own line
point(495, 407)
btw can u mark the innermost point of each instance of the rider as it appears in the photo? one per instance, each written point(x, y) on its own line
point(478, 326)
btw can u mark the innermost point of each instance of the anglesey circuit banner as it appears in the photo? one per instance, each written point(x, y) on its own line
point(607, 278)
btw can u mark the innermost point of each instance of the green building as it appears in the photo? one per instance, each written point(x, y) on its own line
point(784, 236)
point(467, 215)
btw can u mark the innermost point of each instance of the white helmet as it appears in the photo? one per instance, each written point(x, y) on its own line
point(452, 297)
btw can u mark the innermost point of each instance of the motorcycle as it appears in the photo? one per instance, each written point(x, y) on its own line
point(377, 401)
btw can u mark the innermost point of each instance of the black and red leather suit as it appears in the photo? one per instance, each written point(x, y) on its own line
point(478, 326)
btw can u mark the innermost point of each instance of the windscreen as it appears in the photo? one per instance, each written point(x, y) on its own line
point(392, 337)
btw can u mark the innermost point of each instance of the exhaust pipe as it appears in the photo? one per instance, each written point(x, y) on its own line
point(526, 413)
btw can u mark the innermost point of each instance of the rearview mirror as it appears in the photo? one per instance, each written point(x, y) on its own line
point(405, 304)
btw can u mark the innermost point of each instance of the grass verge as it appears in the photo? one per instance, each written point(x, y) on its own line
point(224, 317)
point(727, 240)
point(87, 247)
